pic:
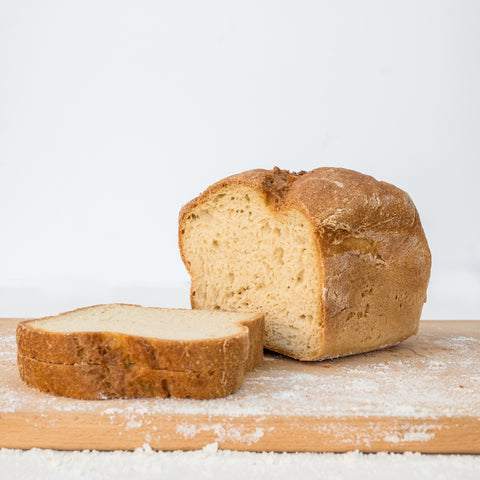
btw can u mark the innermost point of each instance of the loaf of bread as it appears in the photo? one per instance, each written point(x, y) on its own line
point(336, 260)
point(113, 351)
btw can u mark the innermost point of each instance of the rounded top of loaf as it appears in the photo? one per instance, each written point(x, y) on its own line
point(349, 210)
point(335, 199)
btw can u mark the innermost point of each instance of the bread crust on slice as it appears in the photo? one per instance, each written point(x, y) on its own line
point(113, 348)
point(256, 334)
point(96, 382)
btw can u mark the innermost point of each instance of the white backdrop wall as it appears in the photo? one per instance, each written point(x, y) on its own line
point(114, 114)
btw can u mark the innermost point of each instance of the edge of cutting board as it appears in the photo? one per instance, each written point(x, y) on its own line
point(73, 431)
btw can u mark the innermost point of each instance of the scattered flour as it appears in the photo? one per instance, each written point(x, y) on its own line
point(211, 463)
point(134, 423)
point(413, 434)
point(430, 376)
point(111, 411)
point(222, 432)
point(210, 448)
point(409, 437)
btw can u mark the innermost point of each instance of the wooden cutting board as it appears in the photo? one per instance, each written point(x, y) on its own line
point(423, 395)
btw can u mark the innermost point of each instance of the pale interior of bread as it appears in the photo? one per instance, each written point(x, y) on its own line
point(244, 255)
point(170, 324)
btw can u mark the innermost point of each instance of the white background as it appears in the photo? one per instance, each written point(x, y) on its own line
point(114, 114)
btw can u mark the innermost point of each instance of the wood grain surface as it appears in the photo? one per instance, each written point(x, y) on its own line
point(422, 395)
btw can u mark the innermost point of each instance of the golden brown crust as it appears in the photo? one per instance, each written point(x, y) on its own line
point(95, 382)
point(256, 336)
point(375, 257)
point(108, 348)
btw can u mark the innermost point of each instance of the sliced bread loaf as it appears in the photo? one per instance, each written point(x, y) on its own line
point(126, 350)
point(337, 260)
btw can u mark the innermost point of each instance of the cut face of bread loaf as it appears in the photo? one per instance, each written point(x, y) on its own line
point(121, 350)
point(337, 261)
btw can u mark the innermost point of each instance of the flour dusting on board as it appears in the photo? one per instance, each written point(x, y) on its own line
point(430, 376)
point(222, 432)
point(416, 434)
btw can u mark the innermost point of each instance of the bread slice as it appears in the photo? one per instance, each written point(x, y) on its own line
point(96, 382)
point(126, 350)
point(337, 260)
